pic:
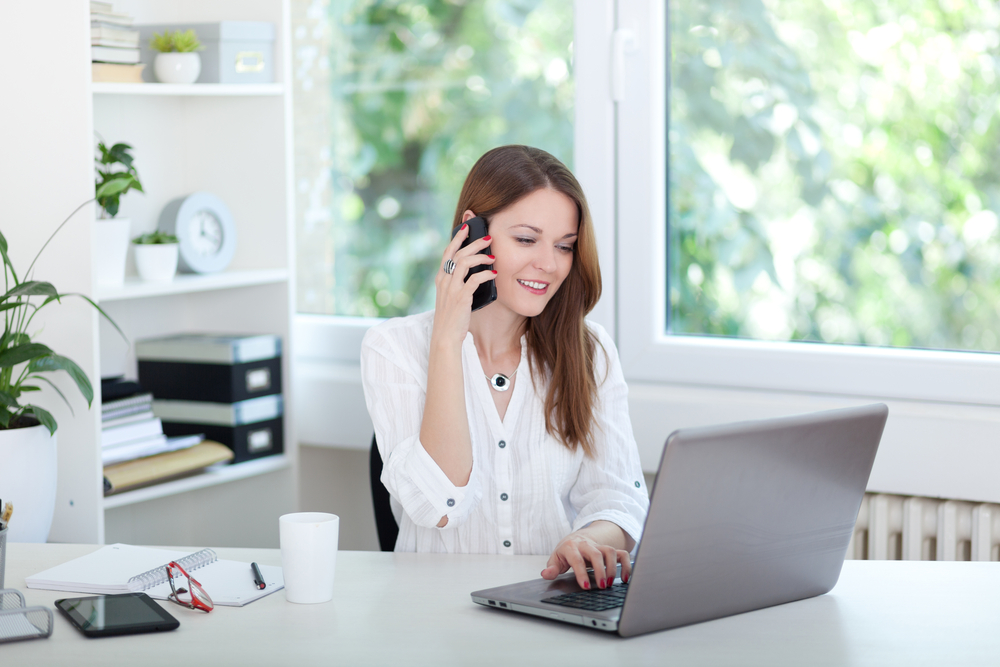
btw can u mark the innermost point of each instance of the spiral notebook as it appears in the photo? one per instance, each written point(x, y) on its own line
point(123, 568)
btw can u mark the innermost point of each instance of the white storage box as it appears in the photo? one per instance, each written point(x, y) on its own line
point(235, 51)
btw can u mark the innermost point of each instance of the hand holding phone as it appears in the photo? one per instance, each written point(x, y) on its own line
point(486, 293)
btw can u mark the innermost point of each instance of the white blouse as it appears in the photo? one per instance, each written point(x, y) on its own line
point(526, 491)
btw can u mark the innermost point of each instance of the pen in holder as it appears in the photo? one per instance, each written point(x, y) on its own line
point(3, 553)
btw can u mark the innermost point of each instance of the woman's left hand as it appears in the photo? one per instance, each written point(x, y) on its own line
point(585, 546)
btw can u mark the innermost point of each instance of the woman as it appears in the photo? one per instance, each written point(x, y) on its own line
point(506, 430)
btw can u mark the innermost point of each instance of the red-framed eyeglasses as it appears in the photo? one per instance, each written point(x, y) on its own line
point(192, 597)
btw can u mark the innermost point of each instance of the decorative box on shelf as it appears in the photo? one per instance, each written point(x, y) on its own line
point(235, 51)
point(226, 387)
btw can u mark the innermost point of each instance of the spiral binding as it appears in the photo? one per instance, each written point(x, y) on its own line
point(158, 575)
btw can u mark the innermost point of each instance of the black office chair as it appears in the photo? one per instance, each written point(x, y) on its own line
point(385, 522)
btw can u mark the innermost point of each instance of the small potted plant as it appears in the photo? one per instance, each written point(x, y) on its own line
point(156, 256)
point(177, 60)
point(27, 430)
point(116, 175)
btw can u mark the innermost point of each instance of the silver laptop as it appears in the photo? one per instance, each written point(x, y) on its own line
point(742, 516)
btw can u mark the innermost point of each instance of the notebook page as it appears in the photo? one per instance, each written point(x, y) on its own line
point(228, 582)
point(105, 571)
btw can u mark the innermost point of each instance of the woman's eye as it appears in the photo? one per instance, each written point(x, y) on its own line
point(565, 248)
point(525, 241)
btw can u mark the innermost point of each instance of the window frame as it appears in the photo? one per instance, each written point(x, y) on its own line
point(650, 354)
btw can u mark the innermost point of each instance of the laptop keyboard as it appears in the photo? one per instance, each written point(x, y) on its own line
point(597, 599)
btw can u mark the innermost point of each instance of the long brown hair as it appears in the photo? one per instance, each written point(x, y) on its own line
point(559, 342)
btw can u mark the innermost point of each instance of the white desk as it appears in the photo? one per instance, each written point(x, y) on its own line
point(414, 609)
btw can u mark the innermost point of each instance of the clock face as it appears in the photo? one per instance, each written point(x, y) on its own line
point(206, 233)
point(205, 228)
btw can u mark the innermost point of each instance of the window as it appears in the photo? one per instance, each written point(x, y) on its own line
point(394, 102)
point(846, 211)
point(833, 172)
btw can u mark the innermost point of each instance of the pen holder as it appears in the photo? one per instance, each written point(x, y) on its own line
point(18, 622)
point(3, 554)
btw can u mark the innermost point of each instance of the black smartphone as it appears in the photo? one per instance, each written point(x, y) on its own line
point(486, 293)
point(107, 615)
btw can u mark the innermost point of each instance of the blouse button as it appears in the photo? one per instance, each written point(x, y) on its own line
point(502, 443)
point(451, 502)
point(503, 496)
point(637, 485)
point(506, 543)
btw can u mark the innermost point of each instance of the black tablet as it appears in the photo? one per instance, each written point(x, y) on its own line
point(106, 615)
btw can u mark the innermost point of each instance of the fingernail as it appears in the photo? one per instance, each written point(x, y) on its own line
point(586, 585)
point(600, 584)
point(624, 578)
point(491, 256)
point(464, 226)
point(494, 271)
point(610, 583)
point(487, 237)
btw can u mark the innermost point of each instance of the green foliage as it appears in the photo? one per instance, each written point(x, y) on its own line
point(153, 238)
point(178, 41)
point(421, 90)
point(832, 171)
point(23, 363)
point(112, 183)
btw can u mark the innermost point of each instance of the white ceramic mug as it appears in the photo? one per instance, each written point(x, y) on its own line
point(308, 555)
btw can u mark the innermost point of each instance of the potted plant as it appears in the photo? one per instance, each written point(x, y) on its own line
point(116, 175)
point(156, 256)
point(27, 430)
point(177, 60)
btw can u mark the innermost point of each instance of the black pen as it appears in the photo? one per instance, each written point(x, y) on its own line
point(258, 578)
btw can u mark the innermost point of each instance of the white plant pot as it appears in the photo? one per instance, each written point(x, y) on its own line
point(177, 67)
point(28, 481)
point(156, 262)
point(110, 250)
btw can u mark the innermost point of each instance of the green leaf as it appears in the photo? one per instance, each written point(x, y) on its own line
point(55, 362)
point(20, 353)
point(32, 288)
point(115, 186)
point(5, 417)
point(28, 387)
point(44, 416)
point(8, 400)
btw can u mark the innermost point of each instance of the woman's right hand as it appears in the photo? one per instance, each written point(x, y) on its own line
point(453, 304)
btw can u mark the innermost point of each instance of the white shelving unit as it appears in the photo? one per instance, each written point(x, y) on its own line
point(135, 288)
point(233, 141)
point(195, 89)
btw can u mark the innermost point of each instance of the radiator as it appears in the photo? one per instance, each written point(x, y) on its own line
point(892, 527)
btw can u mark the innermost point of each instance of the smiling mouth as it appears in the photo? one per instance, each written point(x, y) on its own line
point(533, 286)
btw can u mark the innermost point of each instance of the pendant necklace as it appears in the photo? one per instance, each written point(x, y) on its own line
point(500, 382)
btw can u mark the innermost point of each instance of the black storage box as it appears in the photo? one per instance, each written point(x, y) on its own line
point(248, 441)
point(216, 383)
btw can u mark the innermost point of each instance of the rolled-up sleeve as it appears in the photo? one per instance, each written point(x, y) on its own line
point(610, 486)
point(394, 376)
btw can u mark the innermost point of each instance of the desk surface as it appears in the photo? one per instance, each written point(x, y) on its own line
point(414, 609)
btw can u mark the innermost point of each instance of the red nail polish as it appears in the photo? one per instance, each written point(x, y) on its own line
point(494, 271)
point(491, 256)
point(464, 226)
point(586, 585)
point(487, 237)
point(625, 579)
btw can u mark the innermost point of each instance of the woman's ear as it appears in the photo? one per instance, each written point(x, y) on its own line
point(468, 215)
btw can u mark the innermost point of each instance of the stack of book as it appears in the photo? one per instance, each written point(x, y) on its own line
point(227, 387)
point(129, 429)
point(114, 45)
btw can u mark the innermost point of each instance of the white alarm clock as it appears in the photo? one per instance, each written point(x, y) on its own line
point(205, 230)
